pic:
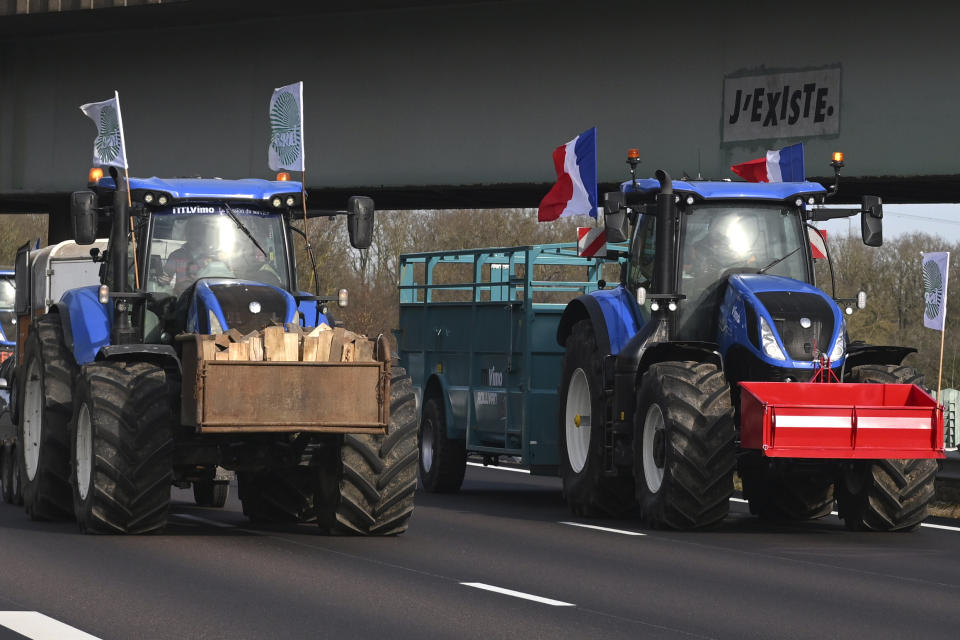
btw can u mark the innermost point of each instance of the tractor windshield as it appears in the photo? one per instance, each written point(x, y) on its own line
point(7, 293)
point(191, 242)
point(721, 239)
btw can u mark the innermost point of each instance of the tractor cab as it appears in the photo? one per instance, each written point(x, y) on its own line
point(730, 264)
point(201, 256)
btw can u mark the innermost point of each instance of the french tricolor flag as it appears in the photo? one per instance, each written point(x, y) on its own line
point(576, 190)
point(783, 165)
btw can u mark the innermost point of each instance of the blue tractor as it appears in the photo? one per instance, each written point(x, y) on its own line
point(125, 389)
point(702, 362)
point(8, 319)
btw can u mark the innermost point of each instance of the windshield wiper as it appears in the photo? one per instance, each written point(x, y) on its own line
point(779, 260)
point(240, 225)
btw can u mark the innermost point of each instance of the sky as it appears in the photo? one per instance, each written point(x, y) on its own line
point(941, 220)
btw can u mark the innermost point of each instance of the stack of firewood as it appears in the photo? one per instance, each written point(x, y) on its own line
point(289, 344)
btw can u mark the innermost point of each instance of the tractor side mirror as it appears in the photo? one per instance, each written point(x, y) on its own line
point(615, 216)
point(360, 221)
point(83, 210)
point(871, 221)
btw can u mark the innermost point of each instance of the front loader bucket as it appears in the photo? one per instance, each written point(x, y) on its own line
point(842, 420)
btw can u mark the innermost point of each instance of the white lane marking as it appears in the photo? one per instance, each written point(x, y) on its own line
point(492, 466)
point(923, 524)
point(939, 526)
point(517, 594)
point(187, 516)
point(34, 624)
point(607, 529)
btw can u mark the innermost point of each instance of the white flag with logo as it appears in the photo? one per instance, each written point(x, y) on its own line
point(935, 289)
point(109, 149)
point(286, 128)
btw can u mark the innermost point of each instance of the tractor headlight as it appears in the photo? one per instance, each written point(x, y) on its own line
point(215, 327)
point(838, 348)
point(769, 341)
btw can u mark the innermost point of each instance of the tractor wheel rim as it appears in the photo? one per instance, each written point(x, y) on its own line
point(84, 452)
point(578, 420)
point(653, 437)
point(426, 446)
point(32, 416)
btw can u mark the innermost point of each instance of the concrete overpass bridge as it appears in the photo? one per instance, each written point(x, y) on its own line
point(448, 103)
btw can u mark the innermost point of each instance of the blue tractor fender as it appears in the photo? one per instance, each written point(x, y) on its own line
point(436, 385)
point(310, 315)
point(614, 314)
point(85, 321)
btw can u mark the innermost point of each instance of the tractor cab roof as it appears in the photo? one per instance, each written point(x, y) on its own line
point(208, 188)
point(722, 190)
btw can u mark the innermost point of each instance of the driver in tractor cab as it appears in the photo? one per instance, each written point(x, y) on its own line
point(199, 257)
point(724, 242)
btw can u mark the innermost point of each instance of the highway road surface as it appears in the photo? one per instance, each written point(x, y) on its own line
point(502, 559)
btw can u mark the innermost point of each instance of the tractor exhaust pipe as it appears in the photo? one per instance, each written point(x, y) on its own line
point(665, 279)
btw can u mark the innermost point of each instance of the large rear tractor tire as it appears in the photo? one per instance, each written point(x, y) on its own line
point(43, 434)
point(443, 461)
point(368, 481)
point(588, 492)
point(278, 495)
point(684, 445)
point(886, 495)
point(122, 444)
point(784, 492)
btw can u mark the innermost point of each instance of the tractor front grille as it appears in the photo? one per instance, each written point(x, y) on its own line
point(790, 312)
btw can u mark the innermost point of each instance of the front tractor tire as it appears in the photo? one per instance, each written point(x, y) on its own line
point(886, 495)
point(122, 444)
point(683, 445)
point(443, 460)
point(588, 491)
point(368, 481)
point(43, 438)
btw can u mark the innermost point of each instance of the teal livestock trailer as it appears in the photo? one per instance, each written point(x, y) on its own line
point(478, 335)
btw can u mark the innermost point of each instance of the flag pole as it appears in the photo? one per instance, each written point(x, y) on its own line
point(943, 336)
point(133, 233)
point(306, 230)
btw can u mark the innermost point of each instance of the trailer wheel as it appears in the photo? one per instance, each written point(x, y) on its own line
point(278, 495)
point(210, 493)
point(6, 472)
point(122, 444)
point(684, 445)
point(581, 411)
point(42, 434)
point(784, 492)
point(443, 461)
point(886, 495)
point(368, 481)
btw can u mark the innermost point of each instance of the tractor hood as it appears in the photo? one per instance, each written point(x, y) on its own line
point(220, 304)
point(787, 323)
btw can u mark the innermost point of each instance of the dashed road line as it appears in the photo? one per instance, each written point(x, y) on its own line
point(939, 526)
point(493, 466)
point(607, 529)
point(35, 625)
point(518, 594)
